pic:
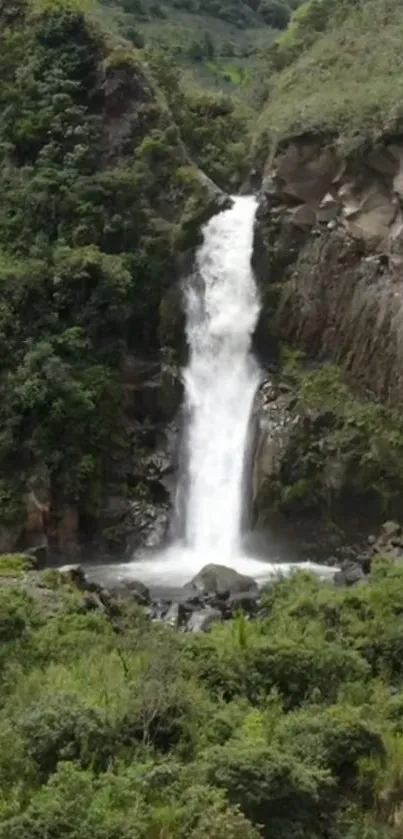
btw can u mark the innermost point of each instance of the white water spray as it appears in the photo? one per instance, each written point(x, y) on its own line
point(221, 380)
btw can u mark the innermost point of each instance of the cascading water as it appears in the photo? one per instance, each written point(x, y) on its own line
point(221, 381)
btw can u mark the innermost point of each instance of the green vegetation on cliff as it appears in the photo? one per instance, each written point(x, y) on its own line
point(344, 453)
point(287, 726)
point(337, 69)
point(95, 183)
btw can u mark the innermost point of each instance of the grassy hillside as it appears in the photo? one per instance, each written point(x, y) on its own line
point(215, 42)
point(339, 69)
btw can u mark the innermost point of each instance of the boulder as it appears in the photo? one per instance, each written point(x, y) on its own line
point(39, 554)
point(203, 620)
point(138, 591)
point(304, 216)
point(305, 170)
point(176, 615)
point(349, 574)
point(390, 530)
point(214, 579)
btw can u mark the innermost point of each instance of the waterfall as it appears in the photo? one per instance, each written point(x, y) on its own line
point(221, 380)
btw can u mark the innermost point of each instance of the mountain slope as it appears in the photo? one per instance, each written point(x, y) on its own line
point(214, 43)
point(344, 72)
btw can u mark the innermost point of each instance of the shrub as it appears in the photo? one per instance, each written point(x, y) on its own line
point(14, 565)
point(61, 728)
point(335, 738)
point(295, 669)
point(275, 13)
point(271, 787)
point(16, 615)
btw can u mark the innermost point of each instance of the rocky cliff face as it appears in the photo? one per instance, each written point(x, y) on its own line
point(329, 259)
point(329, 255)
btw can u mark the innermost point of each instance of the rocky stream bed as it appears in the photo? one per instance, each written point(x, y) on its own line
point(217, 593)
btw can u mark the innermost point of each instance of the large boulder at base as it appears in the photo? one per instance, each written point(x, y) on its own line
point(213, 579)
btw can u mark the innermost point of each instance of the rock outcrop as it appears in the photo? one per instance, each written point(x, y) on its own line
point(309, 476)
point(329, 258)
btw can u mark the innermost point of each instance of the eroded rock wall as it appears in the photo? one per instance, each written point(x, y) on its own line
point(329, 258)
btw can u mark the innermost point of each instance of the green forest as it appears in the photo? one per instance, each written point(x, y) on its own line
point(124, 125)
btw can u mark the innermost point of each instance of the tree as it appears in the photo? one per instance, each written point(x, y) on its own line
point(275, 13)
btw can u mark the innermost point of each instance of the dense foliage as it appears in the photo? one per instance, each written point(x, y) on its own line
point(213, 128)
point(239, 12)
point(287, 726)
point(95, 184)
point(218, 44)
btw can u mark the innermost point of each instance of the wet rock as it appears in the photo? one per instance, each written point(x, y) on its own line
point(214, 579)
point(39, 554)
point(133, 590)
point(244, 601)
point(116, 508)
point(364, 559)
point(139, 591)
point(144, 525)
point(202, 621)
point(158, 609)
point(390, 529)
point(73, 574)
point(176, 615)
point(350, 574)
point(172, 617)
point(304, 216)
point(191, 600)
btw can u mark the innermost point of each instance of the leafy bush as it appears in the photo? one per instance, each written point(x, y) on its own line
point(275, 13)
point(295, 668)
point(14, 565)
point(272, 788)
point(61, 728)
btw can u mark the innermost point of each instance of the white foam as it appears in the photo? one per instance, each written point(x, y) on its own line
point(177, 565)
